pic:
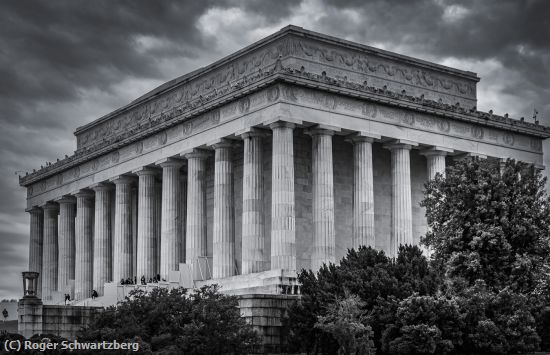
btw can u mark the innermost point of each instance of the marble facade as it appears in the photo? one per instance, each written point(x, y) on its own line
point(278, 157)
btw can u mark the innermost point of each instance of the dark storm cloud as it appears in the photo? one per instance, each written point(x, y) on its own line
point(516, 33)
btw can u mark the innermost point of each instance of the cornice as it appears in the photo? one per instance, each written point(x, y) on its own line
point(255, 82)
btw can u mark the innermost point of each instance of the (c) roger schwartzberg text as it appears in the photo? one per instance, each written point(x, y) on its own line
point(70, 345)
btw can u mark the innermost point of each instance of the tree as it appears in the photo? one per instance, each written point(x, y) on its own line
point(378, 281)
point(344, 320)
point(489, 226)
point(173, 321)
point(489, 232)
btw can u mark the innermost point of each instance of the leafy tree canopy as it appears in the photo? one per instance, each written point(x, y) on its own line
point(174, 321)
point(489, 224)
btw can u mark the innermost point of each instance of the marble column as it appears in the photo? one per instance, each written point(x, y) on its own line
point(224, 236)
point(103, 254)
point(183, 214)
point(435, 159)
point(401, 196)
point(67, 214)
point(146, 251)
point(36, 243)
point(84, 243)
point(158, 222)
point(283, 214)
point(135, 195)
point(253, 243)
point(123, 252)
point(50, 251)
point(170, 242)
point(363, 192)
point(196, 206)
point(324, 240)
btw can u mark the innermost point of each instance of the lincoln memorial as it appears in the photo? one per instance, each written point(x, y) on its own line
point(278, 157)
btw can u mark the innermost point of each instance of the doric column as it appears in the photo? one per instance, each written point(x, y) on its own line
point(253, 243)
point(50, 251)
point(123, 251)
point(183, 214)
point(196, 206)
point(158, 222)
point(224, 238)
point(103, 257)
point(324, 243)
point(435, 159)
point(67, 214)
point(170, 242)
point(36, 243)
point(84, 237)
point(363, 191)
point(283, 214)
point(146, 251)
point(401, 195)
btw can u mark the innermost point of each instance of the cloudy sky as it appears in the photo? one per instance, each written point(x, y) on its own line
point(66, 63)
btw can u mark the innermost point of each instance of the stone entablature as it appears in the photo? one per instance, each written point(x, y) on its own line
point(299, 77)
point(286, 100)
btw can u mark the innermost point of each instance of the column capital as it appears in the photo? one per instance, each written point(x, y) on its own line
point(122, 179)
point(436, 150)
point(539, 167)
point(322, 130)
point(363, 137)
point(101, 186)
point(287, 120)
point(84, 193)
point(34, 210)
point(145, 170)
point(50, 206)
point(195, 154)
point(67, 199)
point(170, 162)
point(252, 132)
point(400, 144)
point(282, 124)
point(221, 143)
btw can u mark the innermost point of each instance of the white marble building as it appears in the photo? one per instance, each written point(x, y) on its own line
point(278, 157)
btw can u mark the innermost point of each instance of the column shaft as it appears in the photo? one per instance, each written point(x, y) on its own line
point(436, 164)
point(36, 244)
point(253, 259)
point(363, 193)
point(66, 267)
point(170, 242)
point(324, 243)
point(283, 215)
point(158, 223)
point(84, 237)
point(401, 197)
point(196, 206)
point(50, 251)
point(183, 214)
point(146, 251)
point(103, 262)
point(224, 239)
point(123, 252)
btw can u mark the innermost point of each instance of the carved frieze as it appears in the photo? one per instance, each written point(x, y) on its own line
point(383, 68)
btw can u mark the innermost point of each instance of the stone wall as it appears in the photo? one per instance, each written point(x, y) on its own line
point(265, 313)
point(65, 321)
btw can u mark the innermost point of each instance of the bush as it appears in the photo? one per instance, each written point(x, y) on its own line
point(202, 322)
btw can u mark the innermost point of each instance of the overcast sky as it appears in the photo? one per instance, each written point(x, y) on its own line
point(66, 63)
